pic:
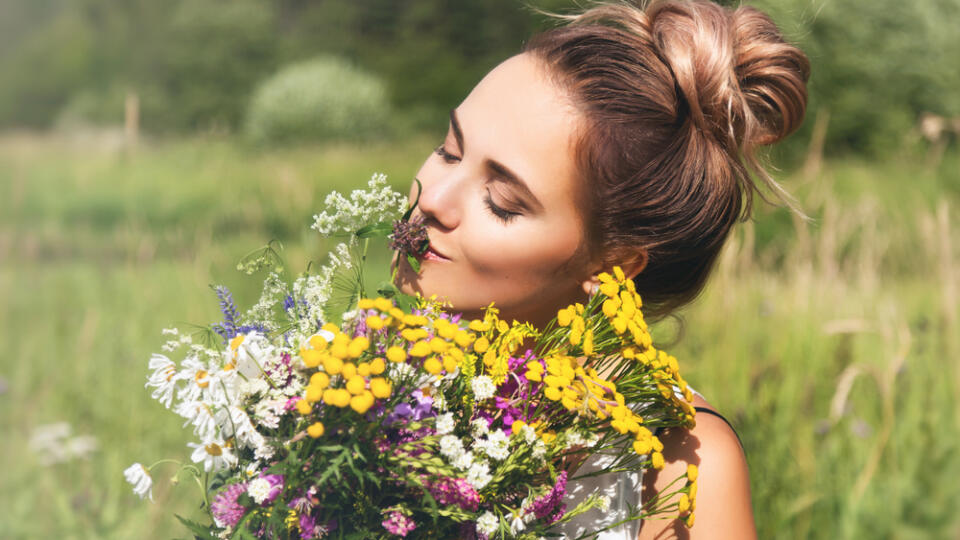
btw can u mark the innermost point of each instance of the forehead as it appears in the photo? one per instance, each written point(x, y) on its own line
point(519, 117)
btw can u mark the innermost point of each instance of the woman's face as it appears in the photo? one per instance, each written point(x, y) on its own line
point(502, 201)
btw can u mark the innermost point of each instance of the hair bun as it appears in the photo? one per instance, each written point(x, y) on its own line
point(772, 75)
point(741, 81)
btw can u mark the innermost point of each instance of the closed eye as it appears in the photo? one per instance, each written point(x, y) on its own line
point(446, 156)
point(500, 213)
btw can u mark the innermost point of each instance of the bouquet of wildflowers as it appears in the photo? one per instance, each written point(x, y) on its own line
point(397, 418)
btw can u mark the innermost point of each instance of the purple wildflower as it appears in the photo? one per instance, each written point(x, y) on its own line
point(410, 237)
point(423, 408)
point(398, 524)
point(550, 506)
point(228, 329)
point(226, 511)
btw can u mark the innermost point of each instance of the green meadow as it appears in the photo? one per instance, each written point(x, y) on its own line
point(831, 344)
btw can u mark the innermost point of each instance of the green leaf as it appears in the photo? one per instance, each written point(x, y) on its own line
point(381, 229)
point(387, 289)
point(200, 531)
point(414, 263)
point(409, 212)
point(405, 302)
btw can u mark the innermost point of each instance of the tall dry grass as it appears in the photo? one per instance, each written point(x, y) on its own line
point(831, 345)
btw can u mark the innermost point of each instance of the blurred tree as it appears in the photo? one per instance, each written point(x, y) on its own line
point(876, 66)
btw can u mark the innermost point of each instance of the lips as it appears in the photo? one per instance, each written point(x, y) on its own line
point(433, 254)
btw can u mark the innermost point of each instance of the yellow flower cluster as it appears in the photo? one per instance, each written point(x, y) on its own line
point(346, 369)
point(687, 503)
point(586, 393)
point(349, 376)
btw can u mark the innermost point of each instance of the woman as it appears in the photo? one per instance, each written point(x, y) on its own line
point(625, 138)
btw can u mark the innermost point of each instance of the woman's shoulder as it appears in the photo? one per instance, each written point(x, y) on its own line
point(723, 508)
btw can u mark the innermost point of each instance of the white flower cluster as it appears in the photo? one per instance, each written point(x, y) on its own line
point(496, 445)
point(379, 202)
point(209, 390)
point(575, 438)
point(274, 291)
point(483, 387)
point(487, 524)
point(313, 291)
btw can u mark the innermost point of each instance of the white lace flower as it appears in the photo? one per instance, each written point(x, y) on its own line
point(487, 524)
point(604, 503)
point(574, 438)
point(379, 202)
point(444, 423)
point(140, 478)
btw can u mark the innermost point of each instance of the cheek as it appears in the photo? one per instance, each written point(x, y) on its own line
point(520, 254)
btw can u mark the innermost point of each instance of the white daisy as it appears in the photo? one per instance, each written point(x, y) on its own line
point(164, 379)
point(214, 455)
point(140, 478)
point(517, 524)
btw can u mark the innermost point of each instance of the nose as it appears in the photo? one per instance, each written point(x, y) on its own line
point(440, 200)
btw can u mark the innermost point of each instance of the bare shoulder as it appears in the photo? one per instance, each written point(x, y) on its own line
point(723, 508)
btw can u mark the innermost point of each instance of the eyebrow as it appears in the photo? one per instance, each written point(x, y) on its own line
point(508, 176)
point(457, 132)
point(502, 171)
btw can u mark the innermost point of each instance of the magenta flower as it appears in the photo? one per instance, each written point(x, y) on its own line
point(226, 511)
point(398, 524)
point(458, 491)
point(551, 505)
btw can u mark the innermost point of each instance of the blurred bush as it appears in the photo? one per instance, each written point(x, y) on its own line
point(320, 99)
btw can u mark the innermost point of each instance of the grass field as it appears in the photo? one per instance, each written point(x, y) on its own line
point(831, 345)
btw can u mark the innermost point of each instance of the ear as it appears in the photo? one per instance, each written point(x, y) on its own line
point(631, 262)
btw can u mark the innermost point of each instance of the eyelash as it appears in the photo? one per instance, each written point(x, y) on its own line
point(446, 156)
point(504, 215)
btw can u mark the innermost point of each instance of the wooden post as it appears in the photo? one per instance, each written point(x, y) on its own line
point(131, 119)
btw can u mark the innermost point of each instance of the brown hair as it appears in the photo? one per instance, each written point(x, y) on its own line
point(677, 96)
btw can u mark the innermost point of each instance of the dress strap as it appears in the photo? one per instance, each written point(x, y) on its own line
point(720, 416)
